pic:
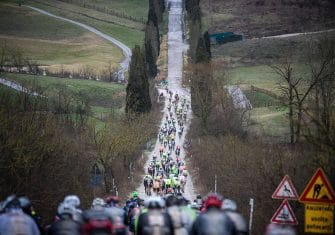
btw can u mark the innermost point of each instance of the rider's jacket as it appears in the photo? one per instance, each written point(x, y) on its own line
point(181, 222)
point(65, 226)
point(154, 221)
point(213, 222)
point(15, 221)
point(239, 222)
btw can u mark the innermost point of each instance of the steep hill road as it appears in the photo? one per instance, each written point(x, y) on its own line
point(176, 49)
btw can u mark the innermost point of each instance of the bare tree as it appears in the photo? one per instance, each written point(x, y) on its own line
point(118, 143)
point(320, 113)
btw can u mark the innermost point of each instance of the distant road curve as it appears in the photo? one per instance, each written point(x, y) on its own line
point(297, 34)
point(124, 64)
point(17, 87)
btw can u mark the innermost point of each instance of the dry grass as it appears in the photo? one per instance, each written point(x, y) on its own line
point(256, 18)
point(70, 55)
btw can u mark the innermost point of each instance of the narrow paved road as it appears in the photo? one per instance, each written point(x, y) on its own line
point(17, 87)
point(124, 64)
point(176, 49)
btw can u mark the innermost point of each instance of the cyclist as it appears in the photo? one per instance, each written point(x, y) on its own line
point(213, 220)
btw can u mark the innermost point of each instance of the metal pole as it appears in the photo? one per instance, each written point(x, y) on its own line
point(251, 203)
point(215, 183)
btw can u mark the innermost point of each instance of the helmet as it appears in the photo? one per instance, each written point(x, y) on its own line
point(229, 205)
point(98, 202)
point(154, 203)
point(25, 204)
point(135, 194)
point(66, 208)
point(72, 200)
point(171, 200)
point(112, 200)
point(213, 200)
point(11, 202)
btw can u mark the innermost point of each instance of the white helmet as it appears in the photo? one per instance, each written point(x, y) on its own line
point(66, 208)
point(98, 202)
point(229, 205)
point(72, 200)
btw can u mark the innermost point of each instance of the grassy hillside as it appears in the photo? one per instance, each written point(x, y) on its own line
point(256, 18)
point(101, 94)
point(120, 26)
point(103, 98)
point(54, 43)
point(248, 63)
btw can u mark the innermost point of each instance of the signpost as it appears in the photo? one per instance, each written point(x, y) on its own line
point(96, 176)
point(285, 190)
point(318, 190)
point(319, 199)
point(319, 218)
point(284, 215)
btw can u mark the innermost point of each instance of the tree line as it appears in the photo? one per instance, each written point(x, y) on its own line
point(143, 65)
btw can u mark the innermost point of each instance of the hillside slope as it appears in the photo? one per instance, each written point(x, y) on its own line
point(256, 18)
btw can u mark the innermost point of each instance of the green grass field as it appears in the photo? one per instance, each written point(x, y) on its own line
point(137, 8)
point(262, 76)
point(127, 31)
point(99, 94)
point(249, 64)
point(54, 43)
point(268, 114)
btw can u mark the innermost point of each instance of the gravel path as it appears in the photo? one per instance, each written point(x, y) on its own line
point(176, 48)
point(124, 64)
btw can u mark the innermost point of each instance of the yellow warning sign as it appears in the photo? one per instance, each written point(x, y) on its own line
point(318, 190)
point(319, 219)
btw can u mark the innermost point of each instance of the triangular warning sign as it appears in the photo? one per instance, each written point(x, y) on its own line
point(318, 190)
point(284, 215)
point(285, 190)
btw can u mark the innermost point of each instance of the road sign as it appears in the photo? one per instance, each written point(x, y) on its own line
point(319, 219)
point(284, 215)
point(318, 190)
point(96, 176)
point(285, 190)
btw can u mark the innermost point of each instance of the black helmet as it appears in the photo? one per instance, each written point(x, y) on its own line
point(154, 203)
point(11, 202)
point(171, 200)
